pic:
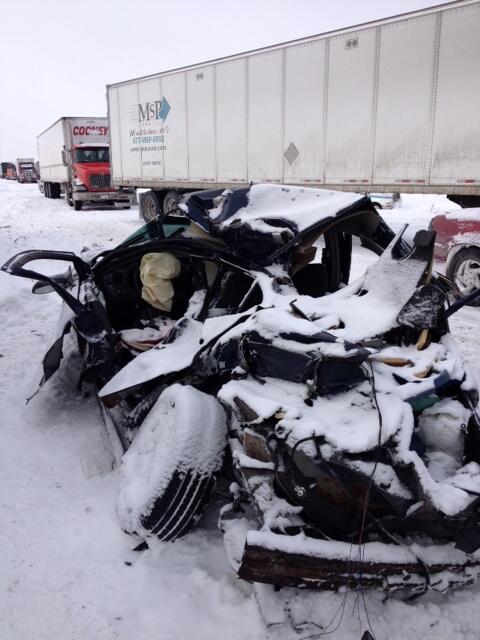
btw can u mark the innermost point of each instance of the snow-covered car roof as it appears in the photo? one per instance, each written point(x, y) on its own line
point(265, 206)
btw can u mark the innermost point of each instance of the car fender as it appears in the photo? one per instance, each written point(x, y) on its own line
point(454, 249)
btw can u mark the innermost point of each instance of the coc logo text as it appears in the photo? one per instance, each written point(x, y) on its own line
point(153, 110)
point(90, 130)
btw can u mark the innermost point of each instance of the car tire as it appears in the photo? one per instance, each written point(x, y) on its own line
point(151, 204)
point(77, 205)
point(168, 472)
point(464, 271)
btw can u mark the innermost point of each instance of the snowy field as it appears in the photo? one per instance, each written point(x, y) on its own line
point(67, 571)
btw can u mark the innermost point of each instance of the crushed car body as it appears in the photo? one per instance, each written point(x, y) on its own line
point(228, 341)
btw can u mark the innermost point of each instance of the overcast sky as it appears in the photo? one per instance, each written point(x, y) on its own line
point(58, 55)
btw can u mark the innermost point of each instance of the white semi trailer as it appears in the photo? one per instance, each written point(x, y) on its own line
point(387, 106)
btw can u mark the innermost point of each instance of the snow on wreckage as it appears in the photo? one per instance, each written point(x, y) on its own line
point(229, 342)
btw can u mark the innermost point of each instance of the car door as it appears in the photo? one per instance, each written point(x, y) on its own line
point(82, 310)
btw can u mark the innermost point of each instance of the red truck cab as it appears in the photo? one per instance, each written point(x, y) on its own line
point(74, 159)
point(91, 166)
point(91, 176)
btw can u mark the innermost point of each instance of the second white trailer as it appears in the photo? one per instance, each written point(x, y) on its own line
point(387, 106)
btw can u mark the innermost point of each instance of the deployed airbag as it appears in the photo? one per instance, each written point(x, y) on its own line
point(157, 270)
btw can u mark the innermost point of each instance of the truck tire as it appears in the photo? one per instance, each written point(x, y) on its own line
point(77, 205)
point(55, 190)
point(46, 190)
point(151, 204)
point(168, 472)
point(464, 270)
point(170, 202)
point(68, 195)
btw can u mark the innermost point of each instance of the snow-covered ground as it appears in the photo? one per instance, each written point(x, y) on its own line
point(67, 571)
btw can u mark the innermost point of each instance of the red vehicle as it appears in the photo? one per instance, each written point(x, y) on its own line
point(458, 246)
point(91, 175)
point(74, 158)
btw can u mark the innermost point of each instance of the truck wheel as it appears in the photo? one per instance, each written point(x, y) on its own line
point(77, 205)
point(46, 190)
point(170, 202)
point(68, 195)
point(150, 205)
point(464, 271)
point(167, 474)
point(55, 190)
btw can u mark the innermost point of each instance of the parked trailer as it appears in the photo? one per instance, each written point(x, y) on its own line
point(74, 157)
point(26, 170)
point(386, 106)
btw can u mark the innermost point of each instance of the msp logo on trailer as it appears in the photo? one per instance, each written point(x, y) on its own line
point(148, 130)
point(154, 110)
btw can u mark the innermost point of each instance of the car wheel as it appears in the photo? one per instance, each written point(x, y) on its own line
point(169, 470)
point(464, 271)
point(150, 206)
point(77, 205)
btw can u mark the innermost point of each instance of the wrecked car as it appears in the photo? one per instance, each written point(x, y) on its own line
point(228, 341)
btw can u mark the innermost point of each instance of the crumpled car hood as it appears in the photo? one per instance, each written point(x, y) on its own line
point(261, 221)
point(267, 205)
point(386, 286)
